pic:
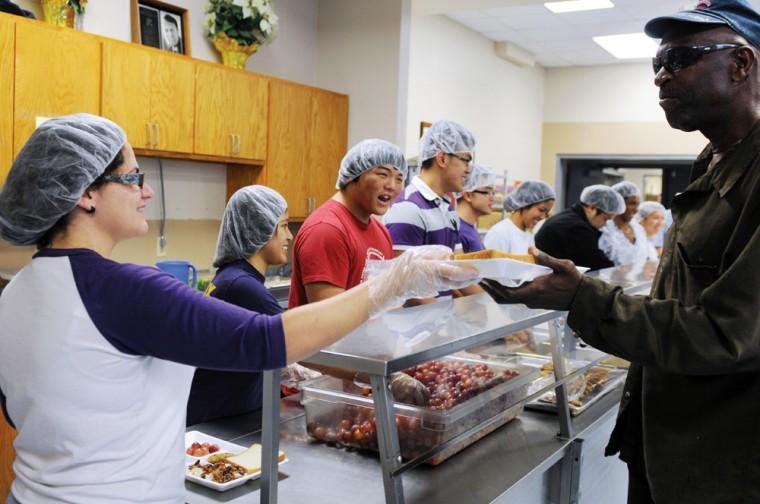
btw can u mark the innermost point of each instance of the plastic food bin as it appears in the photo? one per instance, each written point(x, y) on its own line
point(342, 412)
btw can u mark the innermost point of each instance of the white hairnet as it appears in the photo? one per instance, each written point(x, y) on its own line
point(249, 222)
point(627, 189)
point(480, 176)
point(54, 168)
point(528, 193)
point(445, 136)
point(648, 207)
point(604, 198)
point(366, 155)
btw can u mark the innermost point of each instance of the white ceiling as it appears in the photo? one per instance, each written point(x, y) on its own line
point(558, 40)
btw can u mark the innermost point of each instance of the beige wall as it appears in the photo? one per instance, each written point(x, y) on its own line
point(455, 74)
point(616, 138)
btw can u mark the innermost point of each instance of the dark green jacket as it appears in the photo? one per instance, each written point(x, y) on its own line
point(691, 406)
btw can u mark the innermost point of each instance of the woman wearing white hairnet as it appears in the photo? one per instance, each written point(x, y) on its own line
point(623, 239)
point(651, 217)
point(253, 236)
point(475, 202)
point(97, 357)
point(529, 204)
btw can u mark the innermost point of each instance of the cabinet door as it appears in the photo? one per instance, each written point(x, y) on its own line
point(6, 99)
point(289, 125)
point(57, 73)
point(212, 129)
point(247, 105)
point(7, 454)
point(172, 101)
point(126, 86)
point(328, 143)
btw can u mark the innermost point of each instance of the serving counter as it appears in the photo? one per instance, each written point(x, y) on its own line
point(537, 454)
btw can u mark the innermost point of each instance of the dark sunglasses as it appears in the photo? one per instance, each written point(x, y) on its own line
point(678, 58)
point(127, 179)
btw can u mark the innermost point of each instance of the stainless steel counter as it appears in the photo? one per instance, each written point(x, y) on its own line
point(516, 459)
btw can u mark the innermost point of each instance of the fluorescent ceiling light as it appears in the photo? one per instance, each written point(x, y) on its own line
point(628, 45)
point(578, 5)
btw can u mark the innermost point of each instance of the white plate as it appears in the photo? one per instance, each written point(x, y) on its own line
point(508, 272)
point(226, 446)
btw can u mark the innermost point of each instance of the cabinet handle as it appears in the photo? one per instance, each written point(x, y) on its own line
point(150, 135)
point(158, 134)
point(237, 150)
point(232, 143)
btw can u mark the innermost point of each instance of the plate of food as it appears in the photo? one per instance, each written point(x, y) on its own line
point(228, 466)
point(510, 270)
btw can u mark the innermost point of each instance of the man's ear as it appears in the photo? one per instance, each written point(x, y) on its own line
point(745, 61)
point(442, 159)
point(87, 201)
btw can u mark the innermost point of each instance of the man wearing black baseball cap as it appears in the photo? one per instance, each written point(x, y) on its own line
point(690, 415)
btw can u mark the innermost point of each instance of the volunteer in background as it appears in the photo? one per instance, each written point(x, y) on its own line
point(475, 202)
point(529, 204)
point(623, 240)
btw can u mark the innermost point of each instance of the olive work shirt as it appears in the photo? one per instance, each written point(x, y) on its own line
point(569, 235)
point(691, 406)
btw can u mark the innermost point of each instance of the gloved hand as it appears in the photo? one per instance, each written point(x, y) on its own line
point(417, 273)
point(404, 388)
point(292, 375)
point(552, 292)
point(407, 390)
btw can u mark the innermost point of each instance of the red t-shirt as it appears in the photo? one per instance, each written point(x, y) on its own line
point(332, 247)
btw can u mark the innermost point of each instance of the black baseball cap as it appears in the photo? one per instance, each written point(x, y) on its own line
point(736, 14)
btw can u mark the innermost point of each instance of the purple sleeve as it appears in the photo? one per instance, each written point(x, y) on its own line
point(406, 234)
point(143, 311)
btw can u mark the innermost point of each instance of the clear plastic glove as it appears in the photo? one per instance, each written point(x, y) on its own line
point(292, 375)
point(404, 388)
point(417, 273)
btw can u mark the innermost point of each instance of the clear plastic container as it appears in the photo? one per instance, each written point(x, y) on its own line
point(339, 411)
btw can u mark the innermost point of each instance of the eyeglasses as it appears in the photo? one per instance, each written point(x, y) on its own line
point(461, 158)
point(490, 194)
point(678, 58)
point(127, 179)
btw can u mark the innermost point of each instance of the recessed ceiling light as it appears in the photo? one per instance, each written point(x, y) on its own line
point(628, 45)
point(578, 5)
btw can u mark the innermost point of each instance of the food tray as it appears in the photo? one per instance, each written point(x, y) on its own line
point(337, 412)
point(547, 402)
point(225, 447)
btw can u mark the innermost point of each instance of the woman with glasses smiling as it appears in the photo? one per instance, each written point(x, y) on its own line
point(97, 357)
point(474, 202)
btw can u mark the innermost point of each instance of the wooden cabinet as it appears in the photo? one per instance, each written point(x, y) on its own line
point(57, 72)
point(230, 113)
point(307, 139)
point(7, 454)
point(149, 94)
point(6, 97)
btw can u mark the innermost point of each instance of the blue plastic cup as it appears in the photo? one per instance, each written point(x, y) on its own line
point(180, 270)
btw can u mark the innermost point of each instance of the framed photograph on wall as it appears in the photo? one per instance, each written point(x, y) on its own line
point(424, 126)
point(161, 25)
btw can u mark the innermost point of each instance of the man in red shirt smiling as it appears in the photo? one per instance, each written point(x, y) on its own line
point(334, 242)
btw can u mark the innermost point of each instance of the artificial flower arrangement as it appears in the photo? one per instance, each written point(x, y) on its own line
point(248, 22)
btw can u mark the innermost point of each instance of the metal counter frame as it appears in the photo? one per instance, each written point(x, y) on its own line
point(403, 338)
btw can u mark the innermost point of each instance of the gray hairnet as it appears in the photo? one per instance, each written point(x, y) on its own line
point(627, 189)
point(366, 155)
point(528, 193)
point(480, 176)
point(249, 222)
point(604, 198)
point(445, 136)
point(54, 168)
point(648, 207)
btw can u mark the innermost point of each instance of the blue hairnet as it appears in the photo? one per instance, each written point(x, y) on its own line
point(445, 136)
point(627, 189)
point(604, 198)
point(54, 168)
point(249, 222)
point(648, 207)
point(366, 155)
point(480, 176)
point(528, 193)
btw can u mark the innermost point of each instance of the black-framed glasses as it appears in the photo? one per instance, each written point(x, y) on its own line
point(127, 179)
point(678, 58)
point(490, 194)
point(461, 158)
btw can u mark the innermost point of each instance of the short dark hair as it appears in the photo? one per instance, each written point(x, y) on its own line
point(428, 163)
point(62, 223)
point(170, 18)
